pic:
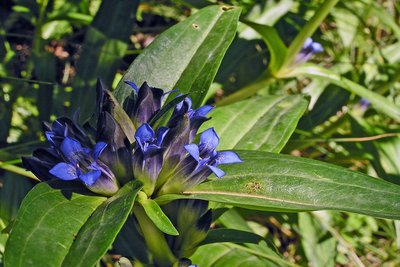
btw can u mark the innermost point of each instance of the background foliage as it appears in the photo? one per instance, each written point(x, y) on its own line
point(52, 52)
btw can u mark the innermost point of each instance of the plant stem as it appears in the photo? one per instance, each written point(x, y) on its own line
point(154, 239)
point(247, 91)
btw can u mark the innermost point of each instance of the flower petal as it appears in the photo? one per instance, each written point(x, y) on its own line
point(98, 149)
point(59, 128)
point(193, 150)
point(64, 171)
point(227, 157)
point(217, 171)
point(307, 43)
point(91, 177)
point(161, 132)
point(209, 140)
point(317, 47)
point(148, 102)
point(144, 134)
point(203, 111)
point(70, 148)
point(49, 136)
point(133, 85)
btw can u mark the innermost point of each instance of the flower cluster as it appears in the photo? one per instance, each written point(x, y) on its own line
point(141, 139)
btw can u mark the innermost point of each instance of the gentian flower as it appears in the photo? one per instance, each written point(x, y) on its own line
point(146, 101)
point(148, 156)
point(192, 221)
point(83, 163)
point(62, 127)
point(309, 49)
point(364, 104)
point(196, 116)
point(164, 158)
point(71, 158)
point(201, 161)
point(143, 140)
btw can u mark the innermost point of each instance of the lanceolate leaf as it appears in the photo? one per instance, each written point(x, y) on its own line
point(99, 232)
point(47, 224)
point(158, 217)
point(266, 181)
point(275, 44)
point(260, 123)
point(186, 56)
point(227, 254)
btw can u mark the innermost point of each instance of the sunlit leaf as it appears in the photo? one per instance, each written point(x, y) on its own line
point(99, 232)
point(187, 55)
point(267, 181)
point(260, 123)
point(50, 218)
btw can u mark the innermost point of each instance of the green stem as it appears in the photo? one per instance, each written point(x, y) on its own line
point(308, 30)
point(247, 91)
point(154, 238)
point(38, 27)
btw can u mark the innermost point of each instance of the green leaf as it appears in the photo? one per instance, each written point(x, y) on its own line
point(130, 243)
point(347, 24)
point(379, 102)
point(187, 55)
point(99, 232)
point(227, 254)
point(231, 235)
point(267, 181)
point(275, 44)
point(266, 14)
point(157, 216)
point(47, 223)
point(261, 123)
point(233, 220)
point(14, 189)
point(241, 56)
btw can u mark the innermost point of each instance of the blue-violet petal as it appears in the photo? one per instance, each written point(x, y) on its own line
point(64, 171)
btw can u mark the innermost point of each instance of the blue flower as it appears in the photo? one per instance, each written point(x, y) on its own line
point(364, 104)
point(146, 102)
point(148, 141)
point(82, 163)
point(309, 48)
point(201, 161)
point(197, 116)
point(207, 157)
point(184, 124)
point(62, 127)
point(148, 156)
point(164, 157)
